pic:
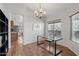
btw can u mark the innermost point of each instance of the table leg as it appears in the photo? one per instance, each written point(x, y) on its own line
point(49, 46)
point(37, 40)
point(55, 48)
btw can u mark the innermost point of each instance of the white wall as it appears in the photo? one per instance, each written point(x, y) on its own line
point(64, 16)
point(30, 32)
point(0, 6)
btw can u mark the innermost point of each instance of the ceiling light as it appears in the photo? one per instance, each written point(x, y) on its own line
point(40, 13)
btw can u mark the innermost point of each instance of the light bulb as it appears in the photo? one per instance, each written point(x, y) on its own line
point(44, 12)
point(36, 12)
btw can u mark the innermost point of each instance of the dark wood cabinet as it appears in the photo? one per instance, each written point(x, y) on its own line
point(3, 34)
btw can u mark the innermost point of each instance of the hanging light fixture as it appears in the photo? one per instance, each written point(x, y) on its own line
point(40, 13)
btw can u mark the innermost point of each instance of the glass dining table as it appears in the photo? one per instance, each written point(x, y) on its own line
point(50, 42)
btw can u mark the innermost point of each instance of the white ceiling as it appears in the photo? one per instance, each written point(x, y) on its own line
point(52, 8)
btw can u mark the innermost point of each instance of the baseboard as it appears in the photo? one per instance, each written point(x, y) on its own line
point(73, 51)
point(69, 48)
point(29, 43)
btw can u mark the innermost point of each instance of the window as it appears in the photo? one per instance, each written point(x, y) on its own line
point(54, 30)
point(57, 30)
point(75, 27)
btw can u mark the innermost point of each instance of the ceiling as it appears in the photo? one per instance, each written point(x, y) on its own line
point(52, 8)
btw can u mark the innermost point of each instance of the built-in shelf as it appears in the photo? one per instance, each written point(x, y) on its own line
point(3, 34)
point(3, 44)
point(3, 22)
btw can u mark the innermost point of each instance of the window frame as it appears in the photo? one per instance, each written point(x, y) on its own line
point(71, 26)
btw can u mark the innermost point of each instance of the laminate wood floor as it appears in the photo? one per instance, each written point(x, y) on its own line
point(33, 50)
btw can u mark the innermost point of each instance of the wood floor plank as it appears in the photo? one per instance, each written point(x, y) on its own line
point(33, 50)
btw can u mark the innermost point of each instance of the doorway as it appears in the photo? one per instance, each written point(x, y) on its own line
point(16, 34)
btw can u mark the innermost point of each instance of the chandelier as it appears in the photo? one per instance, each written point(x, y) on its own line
point(40, 13)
